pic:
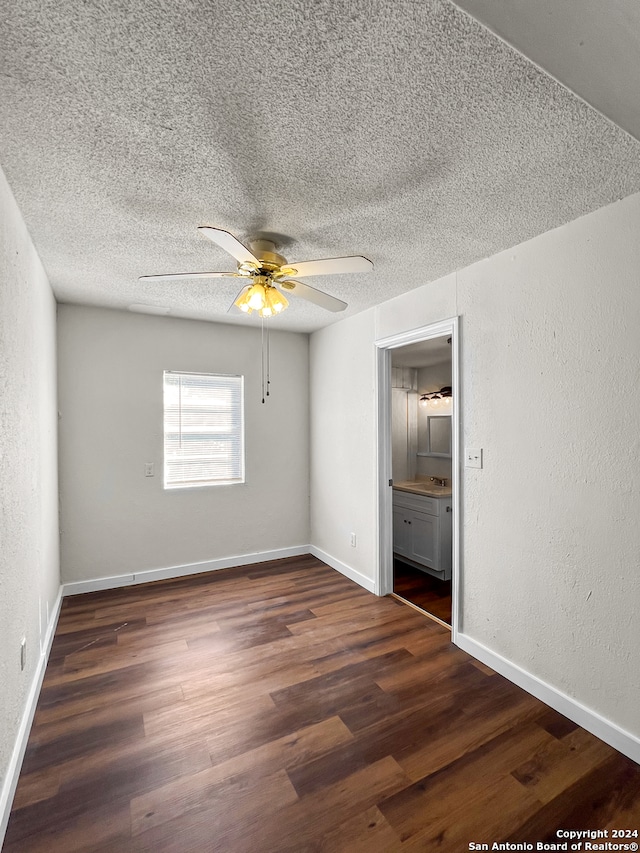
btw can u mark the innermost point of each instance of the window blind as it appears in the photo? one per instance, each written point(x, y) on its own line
point(203, 429)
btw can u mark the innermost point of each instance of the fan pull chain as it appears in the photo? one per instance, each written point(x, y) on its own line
point(268, 357)
point(266, 360)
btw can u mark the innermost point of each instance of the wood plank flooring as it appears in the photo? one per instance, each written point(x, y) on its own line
point(423, 590)
point(280, 707)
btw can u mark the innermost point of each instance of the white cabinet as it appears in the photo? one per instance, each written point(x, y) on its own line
point(422, 531)
point(416, 535)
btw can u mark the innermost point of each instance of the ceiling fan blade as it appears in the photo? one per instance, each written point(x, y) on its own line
point(331, 266)
point(318, 297)
point(230, 244)
point(169, 275)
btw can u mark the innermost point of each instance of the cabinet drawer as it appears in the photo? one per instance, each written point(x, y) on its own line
point(420, 503)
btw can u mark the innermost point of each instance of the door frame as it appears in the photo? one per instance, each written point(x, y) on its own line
point(384, 346)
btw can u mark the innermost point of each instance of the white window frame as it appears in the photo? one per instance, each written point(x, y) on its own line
point(171, 458)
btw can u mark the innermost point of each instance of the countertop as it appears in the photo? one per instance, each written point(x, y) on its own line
point(422, 487)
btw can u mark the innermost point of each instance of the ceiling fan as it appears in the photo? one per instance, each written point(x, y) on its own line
point(267, 274)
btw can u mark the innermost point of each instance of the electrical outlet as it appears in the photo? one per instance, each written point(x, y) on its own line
point(23, 653)
point(149, 469)
point(353, 540)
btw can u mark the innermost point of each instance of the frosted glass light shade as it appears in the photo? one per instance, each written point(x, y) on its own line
point(263, 298)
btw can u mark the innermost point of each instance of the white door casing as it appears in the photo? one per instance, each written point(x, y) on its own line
point(384, 346)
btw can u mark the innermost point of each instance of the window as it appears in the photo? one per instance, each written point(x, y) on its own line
point(203, 429)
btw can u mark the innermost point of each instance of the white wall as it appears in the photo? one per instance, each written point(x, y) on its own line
point(433, 378)
point(344, 483)
point(343, 435)
point(550, 566)
point(29, 562)
point(116, 521)
point(400, 434)
point(551, 534)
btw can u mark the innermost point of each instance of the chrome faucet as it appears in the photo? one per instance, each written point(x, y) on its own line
point(439, 481)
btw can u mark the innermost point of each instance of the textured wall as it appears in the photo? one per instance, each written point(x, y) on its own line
point(550, 566)
point(344, 421)
point(343, 434)
point(550, 376)
point(29, 566)
point(117, 521)
point(427, 304)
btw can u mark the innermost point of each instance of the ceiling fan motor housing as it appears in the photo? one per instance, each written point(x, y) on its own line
point(270, 261)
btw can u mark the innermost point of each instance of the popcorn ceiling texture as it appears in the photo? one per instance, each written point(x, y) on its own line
point(402, 131)
point(575, 43)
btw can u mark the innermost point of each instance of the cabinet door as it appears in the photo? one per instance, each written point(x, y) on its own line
point(425, 539)
point(401, 531)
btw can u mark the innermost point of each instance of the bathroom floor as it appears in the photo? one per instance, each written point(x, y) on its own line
point(423, 590)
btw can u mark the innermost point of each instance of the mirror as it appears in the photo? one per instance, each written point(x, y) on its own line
point(434, 435)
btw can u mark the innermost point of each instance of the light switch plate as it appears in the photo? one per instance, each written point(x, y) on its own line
point(473, 457)
point(149, 469)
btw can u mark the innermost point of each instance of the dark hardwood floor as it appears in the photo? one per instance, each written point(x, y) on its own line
point(280, 707)
point(423, 590)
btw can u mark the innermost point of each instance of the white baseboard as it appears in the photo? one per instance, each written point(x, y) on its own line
point(602, 728)
point(343, 568)
point(115, 581)
point(15, 762)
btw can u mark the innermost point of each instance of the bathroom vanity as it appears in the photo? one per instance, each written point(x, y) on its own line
point(422, 524)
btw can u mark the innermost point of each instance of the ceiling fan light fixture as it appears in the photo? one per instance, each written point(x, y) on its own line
point(257, 297)
point(242, 302)
point(276, 301)
point(263, 266)
point(263, 298)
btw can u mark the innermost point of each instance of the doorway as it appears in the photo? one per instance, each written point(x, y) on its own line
point(418, 421)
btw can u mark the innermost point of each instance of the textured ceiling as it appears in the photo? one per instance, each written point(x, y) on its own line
point(590, 46)
point(403, 131)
